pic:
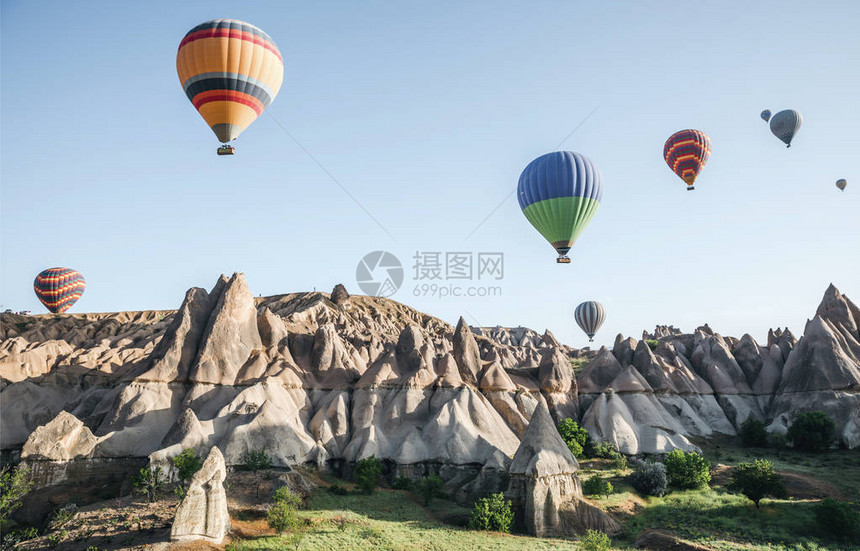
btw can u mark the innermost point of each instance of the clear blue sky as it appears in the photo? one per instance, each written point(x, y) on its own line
point(428, 113)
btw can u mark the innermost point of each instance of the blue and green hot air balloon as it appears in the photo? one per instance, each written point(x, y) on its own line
point(559, 194)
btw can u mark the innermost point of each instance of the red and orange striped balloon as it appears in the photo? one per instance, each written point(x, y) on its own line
point(231, 71)
point(59, 288)
point(686, 153)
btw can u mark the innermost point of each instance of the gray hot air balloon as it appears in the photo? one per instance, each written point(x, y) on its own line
point(765, 115)
point(589, 316)
point(841, 183)
point(785, 125)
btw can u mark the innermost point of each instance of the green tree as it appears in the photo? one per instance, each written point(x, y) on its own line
point(429, 487)
point(283, 516)
point(255, 460)
point(756, 481)
point(595, 485)
point(778, 442)
point(687, 470)
point(594, 540)
point(367, 473)
point(650, 479)
point(577, 438)
point(15, 484)
point(148, 481)
point(492, 513)
point(187, 463)
point(812, 431)
point(752, 433)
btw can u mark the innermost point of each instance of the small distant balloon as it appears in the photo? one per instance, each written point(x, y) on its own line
point(765, 115)
point(590, 316)
point(59, 288)
point(686, 152)
point(841, 183)
point(785, 125)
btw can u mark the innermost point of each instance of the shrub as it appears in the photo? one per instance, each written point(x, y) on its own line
point(148, 482)
point(255, 460)
point(778, 442)
point(577, 438)
point(605, 450)
point(753, 433)
point(687, 470)
point(594, 540)
point(283, 516)
point(650, 479)
point(13, 538)
point(620, 462)
point(402, 483)
point(429, 487)
point(840, 520)
point(812, 431)
point(63, 516)
point(492, 513)
point(652, 343)
point(757, 480)
point(596, 486)
point(337, 490)
point(14, 486)
point(367, 473)
point(187, 463)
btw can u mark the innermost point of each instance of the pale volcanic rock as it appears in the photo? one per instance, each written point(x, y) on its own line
point(624, 349)
point(64, 438)
point(272, 328)
point(202, 514)
point(466, 353)
point(172, 358)
point(21, 360)
point(230, 336)
point(544, 486)
point(598, 373)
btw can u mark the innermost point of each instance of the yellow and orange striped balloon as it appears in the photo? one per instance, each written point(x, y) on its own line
point(231, 71)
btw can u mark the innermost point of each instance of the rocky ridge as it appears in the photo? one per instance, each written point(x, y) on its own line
point(329, 382)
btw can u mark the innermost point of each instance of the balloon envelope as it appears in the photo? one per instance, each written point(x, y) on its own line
point(785, 125)
point(59, 288)
point(231, 71)
point(590, 316)
point(765, 115)
point(559, 193)
point(686, 152)
point(841, 183)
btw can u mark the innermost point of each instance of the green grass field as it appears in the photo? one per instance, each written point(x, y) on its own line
point(395, 520)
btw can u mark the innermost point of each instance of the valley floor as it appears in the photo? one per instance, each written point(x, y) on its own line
point(390, 519)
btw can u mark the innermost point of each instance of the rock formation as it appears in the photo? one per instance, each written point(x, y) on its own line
point(330, 379)
point(202, 514)
point(544, 487)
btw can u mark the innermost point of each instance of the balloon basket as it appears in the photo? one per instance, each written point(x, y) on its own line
point(690, 188)
point(563, 260)
point(226, 150)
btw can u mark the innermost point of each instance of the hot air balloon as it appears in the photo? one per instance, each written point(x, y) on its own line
point(841, 183)
point(765, 115)
point(231, 71)
point(785, 125)
point(559, 194)
point(686, 152)
point(59, 288)
point(589, 316)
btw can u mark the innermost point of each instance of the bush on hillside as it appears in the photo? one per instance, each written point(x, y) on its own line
point(492, 513)
point(650, 479)
point(594, 540)
point(429, 487)
point(255, 460)
point(756, 481)
point(187, 463)
point(753, 433)
point(15, 484)
point(812, 431)
point(402, 483)
point(839, 519)
point(367, 473)
point(595, 485)
point(577, 438)
point(687, 470)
